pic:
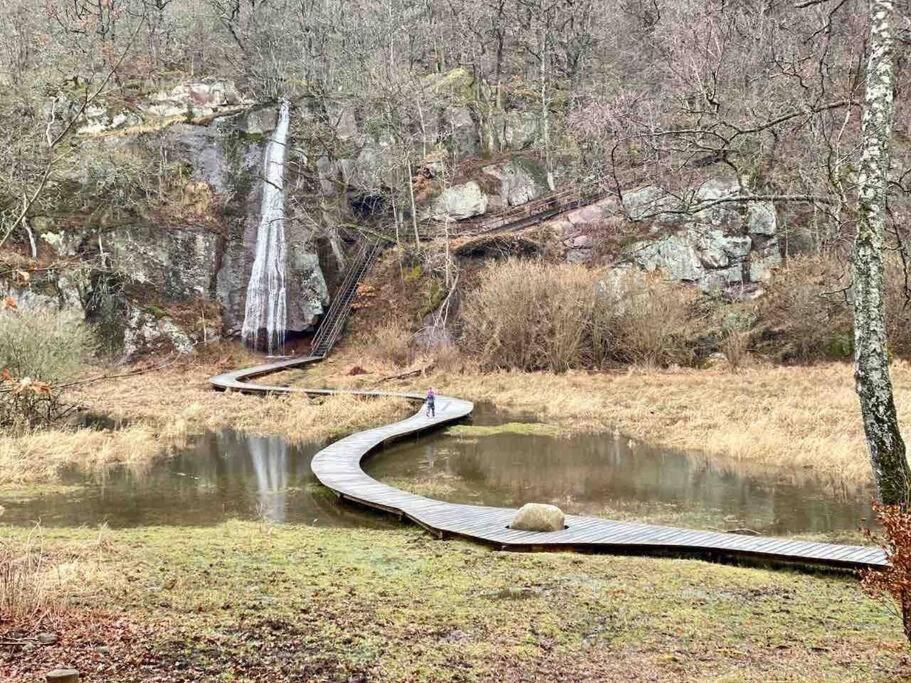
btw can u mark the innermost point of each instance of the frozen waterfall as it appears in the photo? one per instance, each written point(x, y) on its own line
point(266, 307)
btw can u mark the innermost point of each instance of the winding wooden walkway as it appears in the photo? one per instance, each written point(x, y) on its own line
point(338, 467)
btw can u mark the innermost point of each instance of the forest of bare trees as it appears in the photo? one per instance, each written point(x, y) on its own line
point(639, 91)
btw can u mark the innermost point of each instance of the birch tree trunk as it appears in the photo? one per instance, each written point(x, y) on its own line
point(871, 370)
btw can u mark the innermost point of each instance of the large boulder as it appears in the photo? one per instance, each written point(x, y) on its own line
point(761, 218)
point(538, 517)
point(146, 332)
point(460, 202)
point(714, 189)
point(763, 261)
point(55, 291)
point(712, 236)
point(307, 292)
point(374, 167)
point(521, 130)
point(344, 121)
point(521, 180)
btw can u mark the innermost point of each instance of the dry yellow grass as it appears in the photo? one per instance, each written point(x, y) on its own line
point(798, 419)
point(803, 418)
point(159, 411)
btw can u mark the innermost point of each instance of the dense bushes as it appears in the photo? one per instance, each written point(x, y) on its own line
point(44, 345)
point(391, 343)
point(806, 313)
point(38, 350)
point(645, 320)
point(533, 315)
point(530, 315)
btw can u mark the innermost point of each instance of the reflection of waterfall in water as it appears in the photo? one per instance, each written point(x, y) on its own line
point(270, 463)
point(266, 305)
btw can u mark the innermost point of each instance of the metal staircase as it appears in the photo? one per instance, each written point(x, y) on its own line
point(334, 321)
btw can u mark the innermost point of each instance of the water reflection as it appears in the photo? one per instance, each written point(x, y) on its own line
point(228, 475)
point(270, 462)
point(220, 476)
point(599, 474)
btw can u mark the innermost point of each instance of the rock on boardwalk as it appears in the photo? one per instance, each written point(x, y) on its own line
point(538, 517)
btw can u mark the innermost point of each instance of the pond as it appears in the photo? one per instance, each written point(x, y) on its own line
point(228, 475)
point(613, 476)
point(219, 476)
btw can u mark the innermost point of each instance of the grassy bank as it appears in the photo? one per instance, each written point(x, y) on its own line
point(157, 412)
point(801, 418)
point(246, 601)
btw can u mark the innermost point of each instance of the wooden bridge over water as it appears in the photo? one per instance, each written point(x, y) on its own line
point(338, 466)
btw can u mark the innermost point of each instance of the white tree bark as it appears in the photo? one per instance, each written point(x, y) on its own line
point(871, 372)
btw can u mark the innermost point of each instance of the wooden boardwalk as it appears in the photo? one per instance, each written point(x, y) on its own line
point(338, 467)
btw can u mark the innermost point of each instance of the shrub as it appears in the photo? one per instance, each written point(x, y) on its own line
point(805, 312)
point(38, 350)
point(391, 343)
point(45, 345)
point(530, 315)
point(894, 580)
point(735, 345)
point(644, 319)
point(23, 589)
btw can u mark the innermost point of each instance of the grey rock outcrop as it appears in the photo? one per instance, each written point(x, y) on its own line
point(521, 130)
point(651, 203)
point(374, 167)
point(307, 292)
point(200, 253)
point(521, 180)
point(761, 218)
point(707, 236)
point(228, 155)
point(460, 202)
point(177, 264)
point(462, 132)
point(146, 333)
point(193, 101)
point(675, 255)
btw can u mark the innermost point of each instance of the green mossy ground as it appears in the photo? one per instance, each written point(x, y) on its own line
point(248, 601)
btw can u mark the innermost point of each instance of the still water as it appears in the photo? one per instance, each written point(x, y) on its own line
point(612, 476)
point(220, 476)
point(227, 475)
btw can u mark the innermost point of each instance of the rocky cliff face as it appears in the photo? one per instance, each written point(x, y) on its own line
point(706, 236)
point(194, 251)
point(201, 251)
